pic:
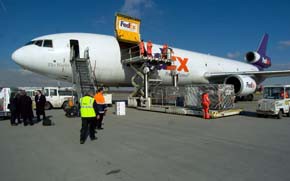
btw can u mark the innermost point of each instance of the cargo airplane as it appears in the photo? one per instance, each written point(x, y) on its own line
point(50, 56)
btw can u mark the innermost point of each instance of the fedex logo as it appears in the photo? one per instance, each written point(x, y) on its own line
point(266, 61)
point(181, 67)
point(128, 26)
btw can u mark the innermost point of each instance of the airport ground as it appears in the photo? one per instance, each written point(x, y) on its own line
point(149, 146)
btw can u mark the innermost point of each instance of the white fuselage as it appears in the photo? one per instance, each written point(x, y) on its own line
point(105, 58)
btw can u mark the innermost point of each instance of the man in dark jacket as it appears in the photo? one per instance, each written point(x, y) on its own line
point(12, 108)
point(26, 108)
point(40, 104)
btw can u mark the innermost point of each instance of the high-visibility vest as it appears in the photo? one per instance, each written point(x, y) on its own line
point(99, 98)
point(87, 107)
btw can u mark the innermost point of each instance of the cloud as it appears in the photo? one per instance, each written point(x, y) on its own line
point(136, 7)
point(24, 78)
point(233, 54)
point(284, 44)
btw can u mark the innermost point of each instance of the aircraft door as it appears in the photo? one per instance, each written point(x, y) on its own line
point(75, 49)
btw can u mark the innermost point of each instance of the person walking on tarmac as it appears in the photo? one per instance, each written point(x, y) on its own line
point(88, 108)
point(205, 105)
point(101, 108)
point(142, 48)
point(40, 104)
point(149, 49)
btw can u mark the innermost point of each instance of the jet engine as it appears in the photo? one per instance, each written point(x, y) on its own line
point(244, 85)
point(252, 57)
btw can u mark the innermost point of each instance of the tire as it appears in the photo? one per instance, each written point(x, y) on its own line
point(288, 114)
point(279, 115)
point(250, 97)
point(64, 105)
point(47, 106)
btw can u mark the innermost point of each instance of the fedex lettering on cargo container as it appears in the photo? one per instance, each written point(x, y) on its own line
point(125, 25)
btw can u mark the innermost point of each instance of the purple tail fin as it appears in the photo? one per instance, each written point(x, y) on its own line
point(260, 58)
point(263, 45)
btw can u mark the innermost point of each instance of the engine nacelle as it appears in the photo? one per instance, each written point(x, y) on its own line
point(252, 57)
point(244, 85)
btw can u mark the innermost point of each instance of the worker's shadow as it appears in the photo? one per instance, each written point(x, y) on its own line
point(248, 114)
point(35, 121)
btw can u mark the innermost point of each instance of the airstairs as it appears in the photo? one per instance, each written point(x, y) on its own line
point(83, 76)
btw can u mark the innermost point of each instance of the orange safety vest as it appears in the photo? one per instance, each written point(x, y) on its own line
point(99, 98)
point(149, 47)
point(70, 103)
point(286, 94)
point(141, 47)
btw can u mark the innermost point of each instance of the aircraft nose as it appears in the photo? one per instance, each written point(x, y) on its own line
point(18, 56)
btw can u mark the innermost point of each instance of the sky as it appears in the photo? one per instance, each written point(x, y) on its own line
point(225, 28)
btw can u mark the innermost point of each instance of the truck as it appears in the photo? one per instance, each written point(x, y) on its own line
point(275, 101)
point(58, 97)
point(5, 94)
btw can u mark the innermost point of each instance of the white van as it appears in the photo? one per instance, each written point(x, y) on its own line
point(57, 97)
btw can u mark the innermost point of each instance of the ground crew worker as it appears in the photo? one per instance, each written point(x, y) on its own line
point(149, 49)
point(205, 105)
point(101, 108)
point(88, 108)
point(141, 48)
point(164, 51)
point(282, 94)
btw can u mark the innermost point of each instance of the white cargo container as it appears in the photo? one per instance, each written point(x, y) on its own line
point(120, 108)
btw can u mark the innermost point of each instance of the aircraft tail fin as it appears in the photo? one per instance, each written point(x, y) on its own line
point(259, 58)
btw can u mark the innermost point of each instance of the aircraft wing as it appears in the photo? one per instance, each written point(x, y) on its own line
point(260, 74)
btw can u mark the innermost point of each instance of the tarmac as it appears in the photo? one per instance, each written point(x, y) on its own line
point(149, 146)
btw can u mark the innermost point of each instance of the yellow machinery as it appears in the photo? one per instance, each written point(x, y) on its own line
point(127, 29)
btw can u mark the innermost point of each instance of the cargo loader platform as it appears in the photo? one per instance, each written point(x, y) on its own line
point(191, 112)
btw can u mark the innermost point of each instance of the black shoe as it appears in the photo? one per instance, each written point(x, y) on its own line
point(25, 124)
point(82, 142)
point(92, 139)
point(100, 128)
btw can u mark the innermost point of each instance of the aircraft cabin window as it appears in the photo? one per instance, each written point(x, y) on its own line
point(47, 43)
point(39, 43)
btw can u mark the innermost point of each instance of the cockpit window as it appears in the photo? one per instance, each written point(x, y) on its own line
point(30, 43)
point(39, 43)
point(47, 43)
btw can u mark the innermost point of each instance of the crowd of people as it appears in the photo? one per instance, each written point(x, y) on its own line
point(21, 108)
point(166, 52)
point(92, 111)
